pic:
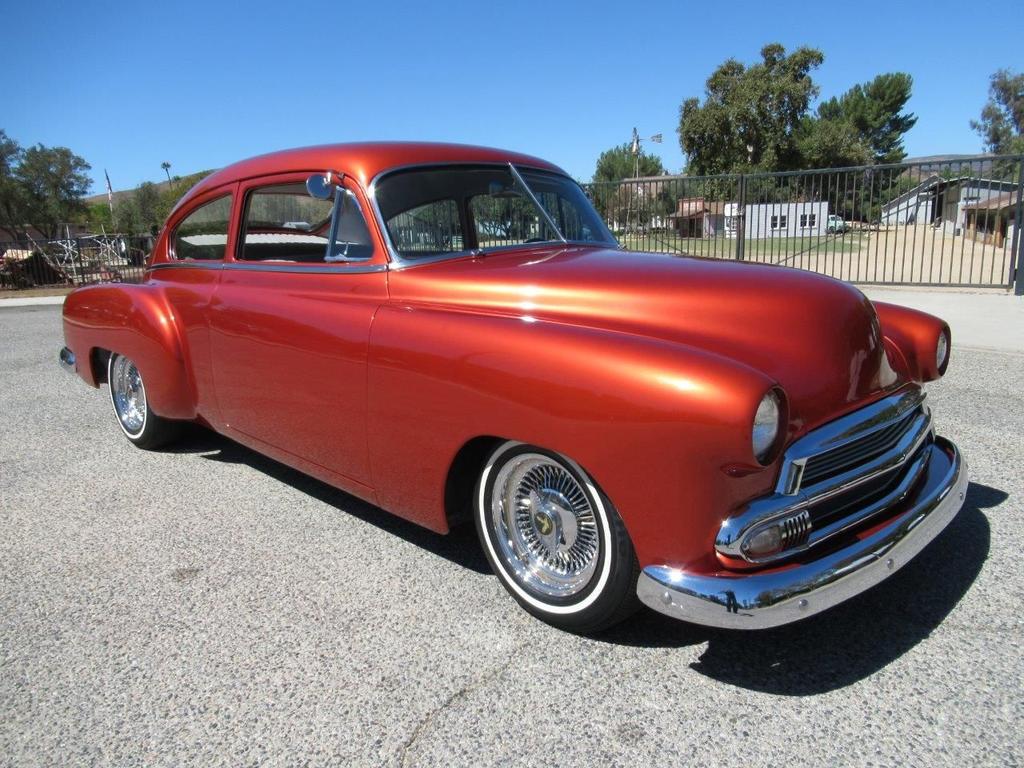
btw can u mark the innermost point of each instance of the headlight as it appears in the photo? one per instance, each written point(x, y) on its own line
point(941, 352)
point(766, 425)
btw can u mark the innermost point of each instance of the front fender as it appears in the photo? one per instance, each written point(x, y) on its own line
point(136, 321)
point(663, 428)
point(915, 335)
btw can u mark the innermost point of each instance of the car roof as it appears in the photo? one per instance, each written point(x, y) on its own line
point(363, 161)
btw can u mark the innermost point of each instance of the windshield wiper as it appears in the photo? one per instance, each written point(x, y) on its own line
point(543, 212)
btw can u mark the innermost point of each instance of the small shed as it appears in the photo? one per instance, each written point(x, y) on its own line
point(992, 220)
point(698, 217)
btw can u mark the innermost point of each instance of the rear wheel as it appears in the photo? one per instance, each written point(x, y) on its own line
point(554, 539)
point(131, 407)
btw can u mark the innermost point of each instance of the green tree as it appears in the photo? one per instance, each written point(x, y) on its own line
point(619, 163)
point(874, 112)
point(1001, 125)
point(99, 218)
point(12, 211)
point(831, 144)
point(51, 183)
point(750, 115)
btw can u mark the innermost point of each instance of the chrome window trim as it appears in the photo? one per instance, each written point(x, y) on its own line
point(173, 235)
point(844, 430)
point(397, 261)
point(243, 224)
point(338, 268)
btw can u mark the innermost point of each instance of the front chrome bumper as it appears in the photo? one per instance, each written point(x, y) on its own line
point(759, 600)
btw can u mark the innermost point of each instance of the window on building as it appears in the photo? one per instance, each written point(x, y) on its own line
point(779, 221)
point(203, 234)
point(808, 220)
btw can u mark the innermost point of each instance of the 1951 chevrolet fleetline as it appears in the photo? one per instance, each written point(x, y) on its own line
point(446, 331)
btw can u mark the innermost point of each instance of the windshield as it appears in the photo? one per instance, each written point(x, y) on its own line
point(452, 209)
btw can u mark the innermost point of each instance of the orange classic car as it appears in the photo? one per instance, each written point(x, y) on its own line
point(450, 332)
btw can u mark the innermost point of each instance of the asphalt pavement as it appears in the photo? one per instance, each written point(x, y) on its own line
point(207, 606)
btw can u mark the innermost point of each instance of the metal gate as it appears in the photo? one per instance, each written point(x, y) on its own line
point(948, 222)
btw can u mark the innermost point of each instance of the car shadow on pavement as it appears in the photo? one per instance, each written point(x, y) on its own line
point(850, 642)
point(460, 546)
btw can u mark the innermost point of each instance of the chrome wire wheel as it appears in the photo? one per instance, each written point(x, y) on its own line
point(128, 394)
point(545, 526)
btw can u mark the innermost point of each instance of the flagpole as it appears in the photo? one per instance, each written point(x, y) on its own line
point(110, 193)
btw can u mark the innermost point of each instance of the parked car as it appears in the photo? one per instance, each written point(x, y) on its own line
point(451, 332)
point(836, 225)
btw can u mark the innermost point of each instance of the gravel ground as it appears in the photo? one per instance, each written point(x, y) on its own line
point(208, 606)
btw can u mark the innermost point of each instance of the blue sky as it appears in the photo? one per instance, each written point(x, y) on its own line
point(128, 85)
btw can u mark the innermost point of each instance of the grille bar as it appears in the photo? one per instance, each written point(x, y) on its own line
point(838, 460)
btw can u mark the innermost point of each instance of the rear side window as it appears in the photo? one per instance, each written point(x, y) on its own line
point(283, 223)
point(203, 234)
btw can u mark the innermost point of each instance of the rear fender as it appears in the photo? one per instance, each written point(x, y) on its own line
point(135, 321)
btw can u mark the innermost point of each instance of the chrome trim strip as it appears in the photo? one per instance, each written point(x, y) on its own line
point(760, 511)
point(186, 265)
point(338, 268)
point(66, 359)
point(768, 599)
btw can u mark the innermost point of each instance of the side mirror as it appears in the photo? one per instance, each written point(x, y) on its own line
point(320, 186)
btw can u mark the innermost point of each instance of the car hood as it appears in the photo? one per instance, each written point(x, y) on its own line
point(817, 337)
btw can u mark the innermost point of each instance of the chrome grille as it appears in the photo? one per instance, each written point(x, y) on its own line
point(839, 476)
point(873, 444)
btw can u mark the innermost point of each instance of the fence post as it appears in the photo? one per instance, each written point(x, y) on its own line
point(1016, 275)
point(741, 218)
point(78, 256)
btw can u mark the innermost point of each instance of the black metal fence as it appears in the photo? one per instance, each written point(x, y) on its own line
point(940, 222)
point(72, 261)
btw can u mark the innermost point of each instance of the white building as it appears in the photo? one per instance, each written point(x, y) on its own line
point(941, 202)
point(767, 220)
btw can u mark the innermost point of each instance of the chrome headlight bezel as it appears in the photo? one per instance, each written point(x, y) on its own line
point(766, 427)
point(942, 352)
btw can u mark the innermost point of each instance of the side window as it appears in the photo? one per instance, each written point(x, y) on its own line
point(428, 229)
point(283, 223)
point(203, 234)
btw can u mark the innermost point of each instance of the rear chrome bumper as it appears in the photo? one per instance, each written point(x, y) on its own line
point(66, 358)
point(759, 600)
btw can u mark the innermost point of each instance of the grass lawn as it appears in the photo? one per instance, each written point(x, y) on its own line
point(776, 249)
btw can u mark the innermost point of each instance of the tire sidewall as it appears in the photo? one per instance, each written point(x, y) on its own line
point(603, 594)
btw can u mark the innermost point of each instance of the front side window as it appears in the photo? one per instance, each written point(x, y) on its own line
point(452, 209)
point(283, 222)
point(203, 234)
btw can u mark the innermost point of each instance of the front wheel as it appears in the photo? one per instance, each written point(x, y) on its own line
point(135, 417)
point(554, 539)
